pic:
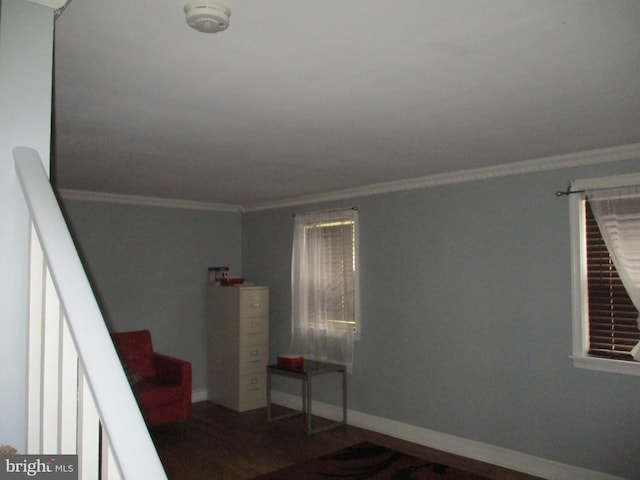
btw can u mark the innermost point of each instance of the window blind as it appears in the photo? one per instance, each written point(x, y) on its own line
point(338, 251)
point(613, 330)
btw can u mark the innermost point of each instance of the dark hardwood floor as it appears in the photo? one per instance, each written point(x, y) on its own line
point(218, 443)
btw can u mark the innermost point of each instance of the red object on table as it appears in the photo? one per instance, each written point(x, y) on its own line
point(290, 361)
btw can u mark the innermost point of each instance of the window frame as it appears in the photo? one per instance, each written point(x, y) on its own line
point(580, 310)
point(340, 222)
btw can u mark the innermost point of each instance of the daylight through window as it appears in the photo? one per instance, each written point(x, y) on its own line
point(324, 282)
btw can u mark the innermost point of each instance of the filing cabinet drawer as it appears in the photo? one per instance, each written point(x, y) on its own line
point(252, 391)
point(253, 386)
point(253, 359)
point(254, 302)
point(254, 331)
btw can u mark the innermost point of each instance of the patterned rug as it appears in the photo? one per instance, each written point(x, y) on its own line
point(369, 461)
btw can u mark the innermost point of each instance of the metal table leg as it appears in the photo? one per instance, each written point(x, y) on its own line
point(268, 396)
point(306, 376)
point(308, 397)
point(344, 397)
point(270, 417)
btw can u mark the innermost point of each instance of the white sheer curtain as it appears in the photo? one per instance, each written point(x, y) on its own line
point(617, 212)
point(324, 283)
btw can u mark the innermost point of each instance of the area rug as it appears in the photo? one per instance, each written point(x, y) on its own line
point(369, 461)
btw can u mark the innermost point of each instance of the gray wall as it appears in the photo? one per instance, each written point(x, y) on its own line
point(466, 307)
point(148, 267)
point(26, 42)
point(466, 312)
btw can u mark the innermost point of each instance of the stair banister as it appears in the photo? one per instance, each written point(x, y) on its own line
point(129, 440)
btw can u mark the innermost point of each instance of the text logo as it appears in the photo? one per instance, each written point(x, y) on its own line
point(49, 467)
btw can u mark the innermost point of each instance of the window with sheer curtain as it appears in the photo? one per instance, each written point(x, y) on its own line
point(606, 231)
point(324, 281)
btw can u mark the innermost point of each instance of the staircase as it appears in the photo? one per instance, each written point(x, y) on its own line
point(79, 400)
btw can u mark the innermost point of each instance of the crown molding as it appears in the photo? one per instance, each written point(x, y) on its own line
point(579, 159)
point(570, 160)
point(87, 196)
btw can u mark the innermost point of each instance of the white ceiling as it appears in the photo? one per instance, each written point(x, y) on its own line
point(298, 98)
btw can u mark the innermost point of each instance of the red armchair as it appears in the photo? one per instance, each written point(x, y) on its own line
point(161, 384)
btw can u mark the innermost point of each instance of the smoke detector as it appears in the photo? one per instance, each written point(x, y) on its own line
point(207, 16)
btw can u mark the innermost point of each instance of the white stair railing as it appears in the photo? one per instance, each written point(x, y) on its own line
point(79, 400)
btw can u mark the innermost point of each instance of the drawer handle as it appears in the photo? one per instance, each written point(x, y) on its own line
point(254, 381)
point(255, 353)
point(256, 304)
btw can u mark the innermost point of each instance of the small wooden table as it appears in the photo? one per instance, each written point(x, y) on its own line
point(310, 369)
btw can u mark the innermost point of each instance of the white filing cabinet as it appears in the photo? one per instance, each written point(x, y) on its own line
point(238, 333)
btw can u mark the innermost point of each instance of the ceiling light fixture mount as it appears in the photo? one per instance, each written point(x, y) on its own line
point(207, 16)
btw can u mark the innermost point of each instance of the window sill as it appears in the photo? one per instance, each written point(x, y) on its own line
point(607, 365)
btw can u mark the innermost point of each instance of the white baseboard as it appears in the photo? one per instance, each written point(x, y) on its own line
point(200, 395)
point(483, 452)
